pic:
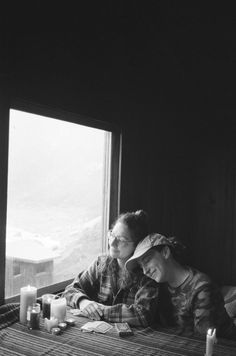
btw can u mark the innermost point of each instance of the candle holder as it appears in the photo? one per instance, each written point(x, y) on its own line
point(55, 331)
point(33, 316)
point(62, 325)
point(28, 296)
point(50, 323)
point(70, 321)
point(46, 305)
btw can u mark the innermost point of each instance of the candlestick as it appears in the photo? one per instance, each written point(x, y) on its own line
point(50, 323)
point(46, 304)
point(210, 341)
point(58, 309)
point(28, 296)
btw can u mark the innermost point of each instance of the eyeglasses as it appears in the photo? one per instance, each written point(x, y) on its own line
point(120, 239)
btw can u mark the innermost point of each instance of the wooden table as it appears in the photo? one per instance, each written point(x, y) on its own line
point(17, 340)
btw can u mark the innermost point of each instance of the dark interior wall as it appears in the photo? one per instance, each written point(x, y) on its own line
point(184, 175)
point(166, 75)
point(191, 189)
point(213, 227)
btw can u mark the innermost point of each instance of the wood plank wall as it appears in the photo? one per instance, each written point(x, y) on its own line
point(175, 162)
point(185, 179)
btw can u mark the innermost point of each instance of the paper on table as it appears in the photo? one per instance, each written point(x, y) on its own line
point(96, 326)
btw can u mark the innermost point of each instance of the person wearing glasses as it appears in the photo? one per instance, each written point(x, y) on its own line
point(187, 299)
point(106, 290)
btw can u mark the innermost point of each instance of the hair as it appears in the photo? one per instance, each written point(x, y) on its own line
point(177, 249)
point(137, 222)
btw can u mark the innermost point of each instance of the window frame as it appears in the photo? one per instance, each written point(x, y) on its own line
point(111, 196)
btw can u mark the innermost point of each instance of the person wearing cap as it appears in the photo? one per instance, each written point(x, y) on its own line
point(106, 290)
point(187, 298)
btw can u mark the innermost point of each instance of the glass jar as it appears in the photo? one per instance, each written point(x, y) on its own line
point(33, 316)
point(46, 305)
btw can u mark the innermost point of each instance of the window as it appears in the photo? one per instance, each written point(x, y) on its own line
point(16, 268)
point(59, 178)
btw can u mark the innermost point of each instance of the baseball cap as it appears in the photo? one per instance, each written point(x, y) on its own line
point(146, 244)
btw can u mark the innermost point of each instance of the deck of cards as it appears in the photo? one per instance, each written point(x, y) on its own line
point(96, 326)
point(123, 329)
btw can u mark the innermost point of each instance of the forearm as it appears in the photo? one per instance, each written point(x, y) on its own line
point(133, 314)
point(83, 287)
point(208, 309)
point(74, 296)
point(138, 307)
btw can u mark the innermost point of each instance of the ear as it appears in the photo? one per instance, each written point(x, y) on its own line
point(166, 252)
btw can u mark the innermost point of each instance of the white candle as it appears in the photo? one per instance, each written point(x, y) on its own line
point(50, 323)
point(58, 309)
point(28, 296)
point(210, 341)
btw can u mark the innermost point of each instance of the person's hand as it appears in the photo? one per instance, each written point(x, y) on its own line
point(91, 309)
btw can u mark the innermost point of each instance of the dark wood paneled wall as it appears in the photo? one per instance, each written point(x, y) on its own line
point(170, 85)
point(213, 233)
point(191, 190)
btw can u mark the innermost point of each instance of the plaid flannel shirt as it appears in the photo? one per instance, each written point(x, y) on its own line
point(134, 302)
point(195, 306)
